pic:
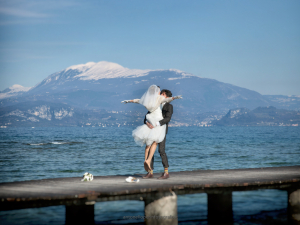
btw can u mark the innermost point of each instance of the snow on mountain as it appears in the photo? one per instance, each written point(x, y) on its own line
point(103, 69)
point(18, 88)
point(13, 90)
point(93, 72)
point(182, 73)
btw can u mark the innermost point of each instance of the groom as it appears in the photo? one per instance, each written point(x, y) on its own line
point(167, 112)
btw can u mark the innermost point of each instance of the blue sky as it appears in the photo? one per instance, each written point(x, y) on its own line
point(253, 44)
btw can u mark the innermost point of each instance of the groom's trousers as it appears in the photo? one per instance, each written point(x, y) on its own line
point(163, 155)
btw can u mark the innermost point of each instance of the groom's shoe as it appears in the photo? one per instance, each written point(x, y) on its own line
point(164, 176)
point(149, 175)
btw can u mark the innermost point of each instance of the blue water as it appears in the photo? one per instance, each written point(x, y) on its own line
point(40, 153)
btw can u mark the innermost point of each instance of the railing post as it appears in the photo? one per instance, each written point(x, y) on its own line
point(294, 206)
point(80, 214)
point(219, 207)
point(161, 208)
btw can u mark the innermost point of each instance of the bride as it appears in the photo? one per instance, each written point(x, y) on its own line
point(143, 134)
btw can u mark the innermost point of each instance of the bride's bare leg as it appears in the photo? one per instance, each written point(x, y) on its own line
point(147, 151)
point(152, 150)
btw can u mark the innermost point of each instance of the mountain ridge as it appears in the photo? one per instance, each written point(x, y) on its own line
point(203, 98)
point(260, 116)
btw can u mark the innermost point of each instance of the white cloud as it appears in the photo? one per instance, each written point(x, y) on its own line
point(21, 13)
point(29, 11)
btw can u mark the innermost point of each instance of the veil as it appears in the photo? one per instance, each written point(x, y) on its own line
point(149, 99)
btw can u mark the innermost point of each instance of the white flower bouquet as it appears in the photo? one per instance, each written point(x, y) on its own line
point(87, 177)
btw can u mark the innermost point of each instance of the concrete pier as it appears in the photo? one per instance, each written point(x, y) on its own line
point(294, 206)
point(161, 209)
point(80, 196)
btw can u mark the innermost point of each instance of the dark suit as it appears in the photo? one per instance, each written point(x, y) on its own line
point(167, 112)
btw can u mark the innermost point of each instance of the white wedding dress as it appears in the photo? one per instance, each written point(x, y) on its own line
point(152, 101)
point(144, 135)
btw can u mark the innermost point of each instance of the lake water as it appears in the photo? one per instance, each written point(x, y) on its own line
point(40, 153)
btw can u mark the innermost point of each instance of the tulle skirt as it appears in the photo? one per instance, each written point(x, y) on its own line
point(144, 135)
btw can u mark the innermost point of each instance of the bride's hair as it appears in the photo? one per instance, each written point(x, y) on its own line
point(168, 92)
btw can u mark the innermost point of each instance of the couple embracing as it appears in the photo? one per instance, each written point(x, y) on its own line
point(155, 127)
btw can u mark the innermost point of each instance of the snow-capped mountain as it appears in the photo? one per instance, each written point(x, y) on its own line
point(103, 69)
point(94, 72)
point(103, 85)
point(14, 90)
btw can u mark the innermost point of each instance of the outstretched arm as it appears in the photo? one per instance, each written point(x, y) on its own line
point(165, 100)
point(131, 101)
point(135, 100)
point(171, 99)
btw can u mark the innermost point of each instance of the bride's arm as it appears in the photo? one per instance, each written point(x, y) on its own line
point(165, 100)
point(131, 101)
point(135, 100)
point(170, 99)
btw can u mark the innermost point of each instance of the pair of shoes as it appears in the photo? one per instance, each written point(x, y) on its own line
point(164, 176)
point(149, 175)
point(147, 166)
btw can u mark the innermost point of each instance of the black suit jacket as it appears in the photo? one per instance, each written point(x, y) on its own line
point(167, 112)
